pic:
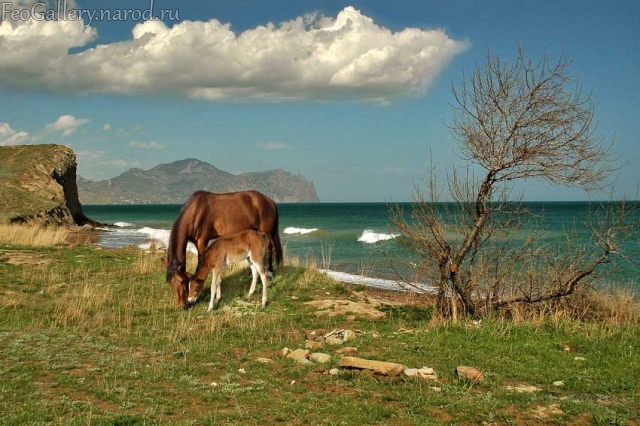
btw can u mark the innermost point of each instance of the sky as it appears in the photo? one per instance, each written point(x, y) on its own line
point(354, 95)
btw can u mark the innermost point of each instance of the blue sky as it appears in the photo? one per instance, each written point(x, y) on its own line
point(358, 110)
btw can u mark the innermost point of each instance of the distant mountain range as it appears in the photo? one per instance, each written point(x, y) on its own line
point(174, 182)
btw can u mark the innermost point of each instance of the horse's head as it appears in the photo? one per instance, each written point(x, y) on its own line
point(178, 278)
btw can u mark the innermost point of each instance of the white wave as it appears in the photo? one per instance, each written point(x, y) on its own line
point(380, 282)
point(124, 225)
point(301, 231)
point(161, 239)
point(368, 236)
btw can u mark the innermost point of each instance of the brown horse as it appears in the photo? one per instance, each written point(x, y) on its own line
point(249, 245)
point(206, 216)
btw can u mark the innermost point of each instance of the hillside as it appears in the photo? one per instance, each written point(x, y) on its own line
point(38, 185)
point(174, 182)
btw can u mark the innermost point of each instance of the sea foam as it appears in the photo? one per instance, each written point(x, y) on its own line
point(369, 237)
point(380, 282)
point(160, 238)
point(301, 231)
point(124, 225)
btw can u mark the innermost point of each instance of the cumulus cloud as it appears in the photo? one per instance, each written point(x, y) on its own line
point(150, 145)
point(310, 57)
point(8, 136)
point(67, 124)
point(106, 127)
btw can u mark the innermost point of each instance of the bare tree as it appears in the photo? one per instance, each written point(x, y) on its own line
point(513, 120)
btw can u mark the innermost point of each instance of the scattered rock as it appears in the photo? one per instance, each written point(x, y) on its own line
point(579, 358)
point(300, 356)
point(242, 371)
point(522, 388)
point(282, 353)
point(410, 372)
point(558, 383)
point(470, 373)
point(333, 340)
point(342, 307)
point(544, 412)
point(347, 351)
point(334, 372)
point(320, 358)
point(214, 384)
point(312, 344)
point(264, 360)
point(349, 335)
point(377, 367)
point(427, 374)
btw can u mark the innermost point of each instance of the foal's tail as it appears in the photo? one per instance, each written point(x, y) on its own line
point(276, 246)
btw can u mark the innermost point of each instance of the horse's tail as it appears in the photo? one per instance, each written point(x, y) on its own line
point(276, 246)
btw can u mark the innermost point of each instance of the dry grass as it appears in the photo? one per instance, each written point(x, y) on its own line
point(607, 306)
point(32, 235)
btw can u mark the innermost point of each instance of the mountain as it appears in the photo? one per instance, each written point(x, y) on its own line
point(38, 185)
point(173, 183)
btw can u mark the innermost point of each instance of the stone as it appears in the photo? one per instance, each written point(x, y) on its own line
point(264, 360)
point(334, 372)
point(320, 358)
point(349, 335)
point(311, 344)
point(347, 351)
point(470, 373)
point(282, 353)
point(377, 367)
point(300, 356)
point(579, 358)
point(410, 372)
point(333, 340)
point(522, 388)
point(558, 383)
point(427, 375)
point(436, 389)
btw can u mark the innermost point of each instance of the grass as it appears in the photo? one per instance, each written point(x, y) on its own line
point(92, 336)
point(24, 235)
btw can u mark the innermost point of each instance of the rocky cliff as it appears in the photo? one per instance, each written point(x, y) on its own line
point(174, 182)
point(38, 185)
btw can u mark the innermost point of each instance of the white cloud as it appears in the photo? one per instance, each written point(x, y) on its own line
point(143, 145)
point(67, 124)
point(106, 127)
point(272, 146)
point(8, 136)
point(310, 57)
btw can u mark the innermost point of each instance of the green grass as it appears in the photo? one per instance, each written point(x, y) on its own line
point(94, 337)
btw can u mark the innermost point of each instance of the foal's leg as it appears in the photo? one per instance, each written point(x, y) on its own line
point(254, 279)
point(263, 278)
point(215, 289)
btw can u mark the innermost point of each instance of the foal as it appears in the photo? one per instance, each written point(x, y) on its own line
point(250, 245)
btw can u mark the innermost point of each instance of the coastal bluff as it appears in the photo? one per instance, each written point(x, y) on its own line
point(38, 185)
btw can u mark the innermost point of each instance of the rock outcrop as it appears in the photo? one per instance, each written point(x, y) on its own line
point(38, 185)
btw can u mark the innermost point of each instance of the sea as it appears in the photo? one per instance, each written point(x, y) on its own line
point(357, 242)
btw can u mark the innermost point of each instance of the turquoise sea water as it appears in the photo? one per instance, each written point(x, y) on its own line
point(309, 230)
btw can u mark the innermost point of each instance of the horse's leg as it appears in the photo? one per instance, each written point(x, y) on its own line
point(201, 245)
point(214, 289)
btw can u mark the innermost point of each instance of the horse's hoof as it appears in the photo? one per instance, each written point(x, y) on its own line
point(185, 308)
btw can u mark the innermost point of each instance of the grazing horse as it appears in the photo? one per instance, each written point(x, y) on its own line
point(206, 216)
point(236, 248)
